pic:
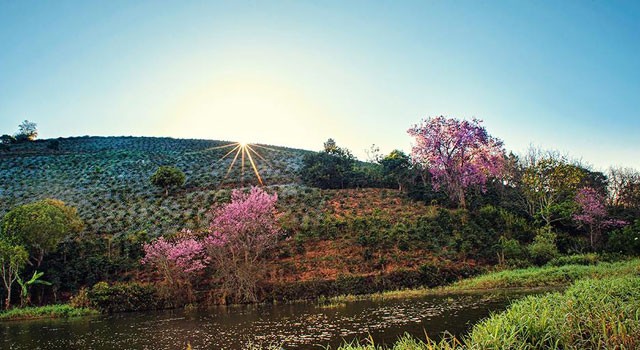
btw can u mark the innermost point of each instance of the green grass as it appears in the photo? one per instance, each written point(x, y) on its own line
point(547, 276)
point(49, 311)
point(592, 314)
point(529, 278)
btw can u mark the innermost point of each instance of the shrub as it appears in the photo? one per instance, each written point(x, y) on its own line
point(625, 240)
point(121, 297)
point(543, 247)
point(578, 259)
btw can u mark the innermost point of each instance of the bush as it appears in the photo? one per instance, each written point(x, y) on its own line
point(625, 240)
point(579, 259)
point(123, 297)
point(543, 247)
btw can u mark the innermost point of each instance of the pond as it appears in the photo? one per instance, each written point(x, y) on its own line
point(290, 326)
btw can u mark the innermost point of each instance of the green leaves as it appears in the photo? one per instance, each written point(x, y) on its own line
point(168, 177)
point(40, 226)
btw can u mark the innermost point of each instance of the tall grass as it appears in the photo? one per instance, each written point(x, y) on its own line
point(49, 311)
point(592, 314)
point(547, 276)
point(533, 277)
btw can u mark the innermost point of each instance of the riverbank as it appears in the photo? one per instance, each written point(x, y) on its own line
point(528, 278)
point(592, 313)
point(48, 311)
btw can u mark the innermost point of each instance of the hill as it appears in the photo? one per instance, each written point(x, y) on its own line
point(329, 235)
point(107, 178)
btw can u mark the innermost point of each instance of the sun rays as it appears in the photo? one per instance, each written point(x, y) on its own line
point(246, 155)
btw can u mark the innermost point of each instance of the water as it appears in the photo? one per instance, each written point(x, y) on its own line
point(291, 326)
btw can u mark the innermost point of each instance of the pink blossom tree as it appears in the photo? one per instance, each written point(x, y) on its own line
point(458, 154)
point(178, 260)
point(241, 233)
point(593, 214)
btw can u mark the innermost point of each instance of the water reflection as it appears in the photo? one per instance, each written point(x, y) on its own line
point(292, 326)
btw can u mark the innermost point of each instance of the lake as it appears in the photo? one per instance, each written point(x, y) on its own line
point(290, 326)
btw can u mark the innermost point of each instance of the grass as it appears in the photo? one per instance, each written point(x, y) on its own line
point(49, 311)
point(591, 314)
point(529, 278)
point(547, 276)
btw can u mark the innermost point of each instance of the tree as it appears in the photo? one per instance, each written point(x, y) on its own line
point(13, 259)
point(593, 214)
point(168, 177)
point(176, 260)
point(331, 168)
point(241, 233)
point(458, 154)
point(27, 131)
point(7, 139)
point(397, 166)
point(40, 226)
point(549, 184)
point(624, 187)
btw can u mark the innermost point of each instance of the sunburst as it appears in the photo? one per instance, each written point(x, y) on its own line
point(246, 155)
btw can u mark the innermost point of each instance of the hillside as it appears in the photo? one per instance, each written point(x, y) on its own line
point(328, 234)
point(107, 179)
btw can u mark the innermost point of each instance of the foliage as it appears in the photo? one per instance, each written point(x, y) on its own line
point(241, 233)
point(168, 177)
point(397, 167)
point(593, 214)
point(26, 284)
point(457, 153)
point(48, 311)
point(546, 276)
point(7, 139)
point(578, 259)
point(331, 168)
point(27, 131)
point(121, 297)
point(590, 314)
point(624, 187)
point(177, 261)
point(549, 184)
point(13, 259)
point(602, 314)
point(40, 226)
point(625, 240)
point(543, 247)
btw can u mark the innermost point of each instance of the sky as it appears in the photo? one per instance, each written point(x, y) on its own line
point(559, 75)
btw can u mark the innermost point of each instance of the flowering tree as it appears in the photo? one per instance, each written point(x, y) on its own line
point(593, 214)
point(241, 232)
point(178, 260)
point(457, 153)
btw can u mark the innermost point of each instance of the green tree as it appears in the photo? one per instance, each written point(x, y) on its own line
point(397, 166)
point(40, 226)
point(549, 185)
point(168, 177)
point(27, 131)
point(13, 258)
point(331, 168)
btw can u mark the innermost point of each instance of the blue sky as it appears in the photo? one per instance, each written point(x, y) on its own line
point(561, 75)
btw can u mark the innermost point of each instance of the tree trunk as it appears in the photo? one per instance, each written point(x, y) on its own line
point(7, 303)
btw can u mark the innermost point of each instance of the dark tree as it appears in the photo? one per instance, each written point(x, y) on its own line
point(168, 177)
point(27, 131)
